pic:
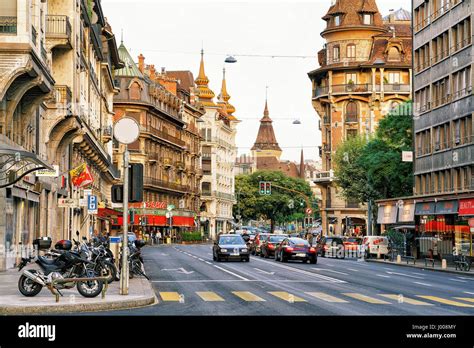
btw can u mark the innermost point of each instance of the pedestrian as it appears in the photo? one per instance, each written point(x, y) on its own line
point(310, 239)
point(158, 237)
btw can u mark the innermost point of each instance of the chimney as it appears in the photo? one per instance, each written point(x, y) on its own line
point(391, 16)
point(163, 70)
point(152, 72)
point(141, 63)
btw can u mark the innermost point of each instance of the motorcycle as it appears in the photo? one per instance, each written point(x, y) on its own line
point(65, 264)
point(135, 259)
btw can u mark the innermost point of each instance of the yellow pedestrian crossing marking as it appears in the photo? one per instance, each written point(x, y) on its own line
point(365, 298)
point(467, 299)
point(445, 301)
point(326, 297)
point(169, 296)
point(403, 299)
point(286, 296)
point(209, 296)
point(248, 296)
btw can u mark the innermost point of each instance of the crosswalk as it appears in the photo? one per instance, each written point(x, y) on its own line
point(343, 298)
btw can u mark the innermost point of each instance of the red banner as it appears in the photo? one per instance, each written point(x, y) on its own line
point(466, 207)
point(81, 176)
point(184, 221)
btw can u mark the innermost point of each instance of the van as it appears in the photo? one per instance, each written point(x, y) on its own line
point(374, 245)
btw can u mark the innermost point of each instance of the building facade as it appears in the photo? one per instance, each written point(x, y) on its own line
point(167, 147)
point(56, 91)
point(218, 153)
point(365, 71)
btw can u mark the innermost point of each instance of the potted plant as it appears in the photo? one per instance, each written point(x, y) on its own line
point(350, 85)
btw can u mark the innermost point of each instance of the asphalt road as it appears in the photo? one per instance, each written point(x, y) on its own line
point(188, 282)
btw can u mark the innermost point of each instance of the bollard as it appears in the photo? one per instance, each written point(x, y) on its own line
point(399, 259)
point(444, 264)
point(378, 253)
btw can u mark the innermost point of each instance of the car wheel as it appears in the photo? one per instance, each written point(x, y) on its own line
point(283, 258)
point(313, 260)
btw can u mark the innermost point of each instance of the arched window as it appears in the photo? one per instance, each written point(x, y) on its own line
point(135, 91)
point(351, 112)
point(393, 54)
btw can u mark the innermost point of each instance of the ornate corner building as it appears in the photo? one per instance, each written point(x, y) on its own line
point(365, 71)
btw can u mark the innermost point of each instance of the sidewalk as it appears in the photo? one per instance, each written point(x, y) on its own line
point(12, 302)
point(420, 264)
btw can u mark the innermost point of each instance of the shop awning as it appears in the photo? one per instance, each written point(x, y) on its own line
point(404, 227)
point(466, 207)
point(387, 214)
point(183, 221)
point(425, 208)
point(446, 207)
point(406, 212)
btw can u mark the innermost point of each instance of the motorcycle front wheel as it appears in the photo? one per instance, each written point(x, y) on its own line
point(107, 269)
point(90, 288)
point(28, 287)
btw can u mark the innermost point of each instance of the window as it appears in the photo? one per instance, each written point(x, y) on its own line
point(440, 92)
point(336, 53)
point(422, 57)
point(394, 54)
point(367, 19)
point(135, 91)
point(461, 34)
point(461, 83)
point(351, 133)
point(393, 78)
point(351, 51)
point(337, 21)
point(351, 78)
point(423, 97)
point(351, 112)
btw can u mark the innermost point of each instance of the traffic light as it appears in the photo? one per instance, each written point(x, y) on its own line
point(268, 188)
point(262, 187)
point(131, 215)
point(135, 185)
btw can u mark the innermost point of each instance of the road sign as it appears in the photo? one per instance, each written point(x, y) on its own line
point(47, 172)
point(309, 211)
point(67, 203)
point(170, 207)
point(92, 204)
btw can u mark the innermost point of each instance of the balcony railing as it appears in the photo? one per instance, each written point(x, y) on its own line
point(166, 161)
point(149, 181)
point(62, 95)
point(158, 133)
point(180, 166)
point(318, 91)
point(153, 157)
point(8, 25)
point(34, 35)
point(58, 26)
point(324, 177)
point(396, 87)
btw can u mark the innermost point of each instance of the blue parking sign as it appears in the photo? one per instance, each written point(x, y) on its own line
point(92, 204)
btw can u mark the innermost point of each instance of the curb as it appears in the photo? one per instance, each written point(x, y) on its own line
point(142, 301)
point(471, 274)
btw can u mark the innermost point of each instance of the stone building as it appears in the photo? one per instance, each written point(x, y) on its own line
point(365, 71)
point(56, 59)
point(218, 153)
point(168, 145)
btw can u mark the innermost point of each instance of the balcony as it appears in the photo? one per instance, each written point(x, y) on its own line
point(166, 161)
point(61, 96)
point(8, 25)
point(350, 88)
point(157, 183)
point(180, 166)
point(164, 136)
point(326, 120)
point(324, 177)
point(396, 88)
point(153, 157)
point(320, 91)
point(58, 31)
point(107, 134)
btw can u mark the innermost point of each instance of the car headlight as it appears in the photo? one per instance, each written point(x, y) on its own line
point(223, 250)
point(244, 250)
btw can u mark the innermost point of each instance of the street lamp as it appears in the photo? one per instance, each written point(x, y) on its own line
point(230, 59)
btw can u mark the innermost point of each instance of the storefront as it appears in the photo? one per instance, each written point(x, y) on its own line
point(465, 227)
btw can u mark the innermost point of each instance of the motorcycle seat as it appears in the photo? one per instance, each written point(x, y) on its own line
point(46, 261)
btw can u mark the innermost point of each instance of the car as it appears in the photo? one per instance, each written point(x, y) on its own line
point(230, 247)
point(332, 247)
point(267, 249)
point(257, 242)
point(295, 249)
point(374, 245)
point(352, 244)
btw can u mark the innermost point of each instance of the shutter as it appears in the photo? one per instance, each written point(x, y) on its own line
point(457, 132)
point(8, 8)
point(437, 138)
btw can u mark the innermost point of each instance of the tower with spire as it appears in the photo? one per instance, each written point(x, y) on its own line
point(205, 94)
point(266, 144)
point(224, 97)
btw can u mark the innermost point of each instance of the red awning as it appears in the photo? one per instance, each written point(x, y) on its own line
point(466, 207)
point(108, 213)
point(184, 221)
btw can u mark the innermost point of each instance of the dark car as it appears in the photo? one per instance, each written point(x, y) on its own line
point(230, 247)
point(352, 245)
point(257, 242)
point(295, 249)
point(267, 249)
point(332, 247)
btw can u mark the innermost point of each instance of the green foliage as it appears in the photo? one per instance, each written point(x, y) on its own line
point(191, 236)
point(252, 205)
point(396, 238)
point(373, 169)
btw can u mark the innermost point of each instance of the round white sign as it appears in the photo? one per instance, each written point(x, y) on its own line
point(126, 130)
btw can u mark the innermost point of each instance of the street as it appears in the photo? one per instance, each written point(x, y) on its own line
point(188, 282)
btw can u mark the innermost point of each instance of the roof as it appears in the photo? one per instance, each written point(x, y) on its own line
point(266, 139)
point(351, 12)
point(272, 163)
point(185, 78)
point(130, 69)
point(399, 15)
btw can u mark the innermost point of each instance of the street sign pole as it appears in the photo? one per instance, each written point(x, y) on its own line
point(124, 272)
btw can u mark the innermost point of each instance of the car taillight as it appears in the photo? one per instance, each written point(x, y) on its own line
point(289, 249)
point(312, 250)
point(326, 247)
point(271, 246)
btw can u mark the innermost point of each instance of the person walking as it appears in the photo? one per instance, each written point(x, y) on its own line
point(158, 237)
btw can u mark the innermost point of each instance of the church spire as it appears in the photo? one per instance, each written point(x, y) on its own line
point(206, 95)
point(266, 144)
point(225, 96)
point(302, 173)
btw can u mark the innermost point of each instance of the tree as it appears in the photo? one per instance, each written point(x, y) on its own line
point(275, 207)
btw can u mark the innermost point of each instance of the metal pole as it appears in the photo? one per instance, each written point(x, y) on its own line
point(369, 220)
point(124, 272)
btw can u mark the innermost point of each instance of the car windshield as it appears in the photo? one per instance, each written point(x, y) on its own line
point(273, 239)
point(263, 237)
point(353, 240)
point(298, 241)
point(231, 240)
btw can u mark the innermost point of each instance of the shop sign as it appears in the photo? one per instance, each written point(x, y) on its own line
point(425, 208)
point(47, 172)
point(67, 203)
point(466, 207)
point(387, 214)
point(149, 205)
point(447, 207)
point(406, 213)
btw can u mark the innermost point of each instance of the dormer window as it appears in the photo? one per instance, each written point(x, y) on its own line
point(337, 20)
point(394, 54)
point(367, 19)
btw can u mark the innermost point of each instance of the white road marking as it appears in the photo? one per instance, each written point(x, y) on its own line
point(234, 274)
point(465, 278)
point(468, 292)
point(209, 263)
point(320, 276)
point(262, 271)
point(200, 259)
point(329, 270)
point(179, 270)
point(209, 254)
point(240, 280)
point(405, 275)
point(458, 280)
point(423, 283)
point(383, 275)
point(353, 270)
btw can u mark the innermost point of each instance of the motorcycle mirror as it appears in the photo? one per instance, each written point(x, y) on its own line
point(77, 233)
point(84, 238)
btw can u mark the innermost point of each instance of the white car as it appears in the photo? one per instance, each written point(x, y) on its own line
point(374, 245)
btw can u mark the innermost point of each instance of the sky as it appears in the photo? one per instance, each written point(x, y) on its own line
point(171, 33)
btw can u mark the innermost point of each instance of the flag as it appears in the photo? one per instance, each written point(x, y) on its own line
point(81, 176)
